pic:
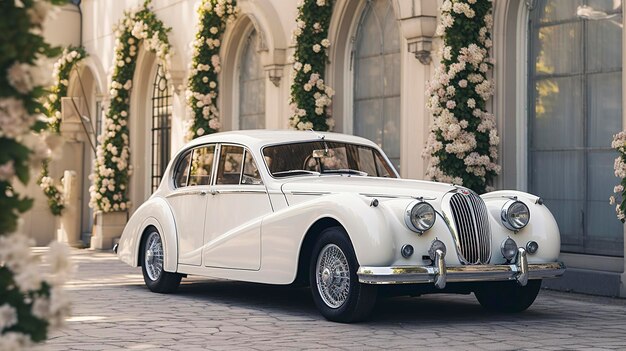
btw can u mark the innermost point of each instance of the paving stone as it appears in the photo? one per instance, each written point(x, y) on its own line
point(114, 310)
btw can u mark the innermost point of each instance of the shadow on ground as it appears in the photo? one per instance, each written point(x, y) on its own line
point(433, 309)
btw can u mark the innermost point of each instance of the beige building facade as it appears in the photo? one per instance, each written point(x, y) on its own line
point(558, 100)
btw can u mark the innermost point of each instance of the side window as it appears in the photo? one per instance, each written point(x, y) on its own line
point(229, 169)
point(202, 165)
point(181, 173)
point(251, 174)
point(383, 168)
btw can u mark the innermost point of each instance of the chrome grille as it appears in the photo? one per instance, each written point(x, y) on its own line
point(472, 225)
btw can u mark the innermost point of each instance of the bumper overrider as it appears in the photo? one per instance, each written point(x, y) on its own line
point(520, 271)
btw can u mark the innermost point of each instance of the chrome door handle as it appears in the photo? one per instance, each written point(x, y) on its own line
point(203, 192)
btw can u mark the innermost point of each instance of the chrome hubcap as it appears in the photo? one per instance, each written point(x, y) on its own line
point(333, 276)
point(153, 257)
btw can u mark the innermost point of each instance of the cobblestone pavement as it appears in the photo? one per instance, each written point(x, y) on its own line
point(113, 310)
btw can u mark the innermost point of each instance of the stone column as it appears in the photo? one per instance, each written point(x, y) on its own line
point(70, 163)
point(418, 22)
point(107, 229)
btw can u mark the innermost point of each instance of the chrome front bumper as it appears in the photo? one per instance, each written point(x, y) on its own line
point(439, 274)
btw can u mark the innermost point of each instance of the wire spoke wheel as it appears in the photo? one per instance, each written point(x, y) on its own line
point(153, 256)
point(333, 276)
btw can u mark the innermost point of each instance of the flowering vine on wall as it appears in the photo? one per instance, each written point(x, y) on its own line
point(202, 86)
point(310, 96)
point(619, 144)
point(30, 304)
point(61, 74)
point(111, 169)
point(463, 143)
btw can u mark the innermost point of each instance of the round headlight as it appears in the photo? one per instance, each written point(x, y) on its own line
point(515, 215)
point(420, 216)
point(508, 249)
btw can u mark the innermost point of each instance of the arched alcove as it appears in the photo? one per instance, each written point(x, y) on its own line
point(139, 124)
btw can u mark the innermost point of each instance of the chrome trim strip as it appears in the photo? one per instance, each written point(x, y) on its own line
point(390, 196)
point(191, 192)
point(310, 193)
point(467, 273)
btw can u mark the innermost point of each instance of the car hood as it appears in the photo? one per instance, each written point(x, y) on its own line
point(382, 187)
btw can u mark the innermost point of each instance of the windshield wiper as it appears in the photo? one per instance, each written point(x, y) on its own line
point(294, 172)
point(346, 170)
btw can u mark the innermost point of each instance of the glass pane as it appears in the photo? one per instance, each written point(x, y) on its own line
point(391, 32)
point(369, 36)
point(250, 171)
point(604, 103)
point(182, 171)
point(367, 80)
point(559, 49)
point(229, 170)
point(368, 120)
point(557, 10)
point(601, 225)
point(558, 120)
point(391, 78)
point(604, 44)
point(366, 161)
point(251, 86)
point(557, 178)
point(202, 165)
point(391, 131)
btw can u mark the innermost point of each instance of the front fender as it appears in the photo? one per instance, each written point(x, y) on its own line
point(541, 228)
point(154, 212)
point(283, 232)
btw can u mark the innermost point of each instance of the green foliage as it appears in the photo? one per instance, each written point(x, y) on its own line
point(466, 156)
point(203, 85)
point(310, 97)
point(112, 173)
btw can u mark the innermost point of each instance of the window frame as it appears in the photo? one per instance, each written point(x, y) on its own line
point(246, 150)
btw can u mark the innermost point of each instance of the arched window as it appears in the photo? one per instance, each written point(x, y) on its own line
point(377, 78)
point(161, 127)
point(575, 97)
point(251, 85)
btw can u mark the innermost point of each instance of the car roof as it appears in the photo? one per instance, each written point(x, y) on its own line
point(258, 138)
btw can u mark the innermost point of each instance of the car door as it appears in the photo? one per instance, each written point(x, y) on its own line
point(192, 180)
point(238, 202)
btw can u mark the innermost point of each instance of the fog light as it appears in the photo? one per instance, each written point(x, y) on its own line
point(407, 251)
point(508, 249)
point(436, 245)
point(532, 247)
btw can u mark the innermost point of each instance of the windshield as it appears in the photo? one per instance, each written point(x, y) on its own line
point(325, 157)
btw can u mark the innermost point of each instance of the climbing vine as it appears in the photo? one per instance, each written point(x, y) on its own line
point(310, 96)
point(61, 72)
point(203, 86)
point(111, 170)
point(462, 147)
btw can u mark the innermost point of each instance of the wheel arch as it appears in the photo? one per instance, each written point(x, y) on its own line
point(304, 256)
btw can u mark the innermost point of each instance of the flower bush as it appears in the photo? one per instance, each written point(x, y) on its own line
point(619, 144)
point(61, 73)
point(310, 96)
point(111, 170)
point(202, 87)
point(30, 303)
point(462, 146)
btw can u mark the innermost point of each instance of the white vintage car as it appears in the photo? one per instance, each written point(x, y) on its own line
point(329, 210)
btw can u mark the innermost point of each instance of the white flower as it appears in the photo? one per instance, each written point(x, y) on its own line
point(325, 43)
point(321, 2)
point(213, 30)
point(200, 131)
point(317, 48)
point(306, 68)
point(8, 316)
